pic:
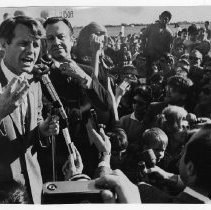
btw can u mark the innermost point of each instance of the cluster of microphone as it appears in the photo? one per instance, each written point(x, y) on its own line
point(41, 73)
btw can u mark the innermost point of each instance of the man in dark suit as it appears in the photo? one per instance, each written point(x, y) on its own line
point(21, 124)
point(78, 89)
point(195, 168)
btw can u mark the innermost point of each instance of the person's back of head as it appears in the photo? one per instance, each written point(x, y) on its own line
point(13, 192)
point(192, 29)
point(195, 165)
point(19, 13)
point(118, 139)
point(180, 84)
point(171, 118)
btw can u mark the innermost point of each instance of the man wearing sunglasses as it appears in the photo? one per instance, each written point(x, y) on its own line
point(196, 71)
point(132, 123)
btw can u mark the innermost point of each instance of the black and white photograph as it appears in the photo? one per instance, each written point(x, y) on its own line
point(105, 104)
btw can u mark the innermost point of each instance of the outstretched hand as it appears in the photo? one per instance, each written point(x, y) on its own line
point(12, 96)
point(101, 140)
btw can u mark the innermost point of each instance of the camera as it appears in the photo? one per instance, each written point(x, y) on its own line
point(71, 192)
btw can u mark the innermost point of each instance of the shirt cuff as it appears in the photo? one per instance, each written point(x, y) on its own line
point(104, 164)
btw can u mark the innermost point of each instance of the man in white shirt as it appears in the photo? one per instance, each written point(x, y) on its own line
point(21, 124)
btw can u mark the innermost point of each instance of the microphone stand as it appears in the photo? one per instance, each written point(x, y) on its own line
point(64, 124)
point(53, 149)
point(58, 104)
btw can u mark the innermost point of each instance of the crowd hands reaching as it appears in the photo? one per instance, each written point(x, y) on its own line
point(138, 109)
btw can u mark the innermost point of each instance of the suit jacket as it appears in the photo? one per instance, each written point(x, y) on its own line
point(150, 194)
point(18, 149)
point(77, 102)
point(184, 197)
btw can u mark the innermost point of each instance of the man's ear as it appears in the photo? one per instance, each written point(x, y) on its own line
point(191, 172)
point(4, 43)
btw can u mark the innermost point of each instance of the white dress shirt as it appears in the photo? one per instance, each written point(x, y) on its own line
point(132, 116)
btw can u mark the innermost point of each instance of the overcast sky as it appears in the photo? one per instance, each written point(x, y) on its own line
point(117, 15)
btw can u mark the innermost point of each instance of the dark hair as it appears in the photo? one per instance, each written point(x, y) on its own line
point(192, 29)
point(5, 14)
point(184, 30)
point(198, 151)
point(166, 13)
point(202, 29)
point(13, 192)
point(53, 20)
point(8, 26)
point(180, 84)
point(118, 139)
point(143, 92)
point(19, 13)
point(154, 136)
point(207, 22)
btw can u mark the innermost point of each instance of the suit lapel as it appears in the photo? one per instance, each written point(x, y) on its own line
point(16, 118)
point(31, 105)
point(3, 79)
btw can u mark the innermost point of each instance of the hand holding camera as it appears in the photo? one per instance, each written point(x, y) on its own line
point(101, 140)
point(96, 43)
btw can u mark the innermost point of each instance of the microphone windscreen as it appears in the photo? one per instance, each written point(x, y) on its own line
point(55, 65)
point(148, 156)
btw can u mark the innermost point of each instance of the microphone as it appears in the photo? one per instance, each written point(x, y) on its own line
point(148, 156)
point(58, 104)
point(41, 73)
point(52, 64)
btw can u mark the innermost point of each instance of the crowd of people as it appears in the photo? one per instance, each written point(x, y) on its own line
point(130, 112)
